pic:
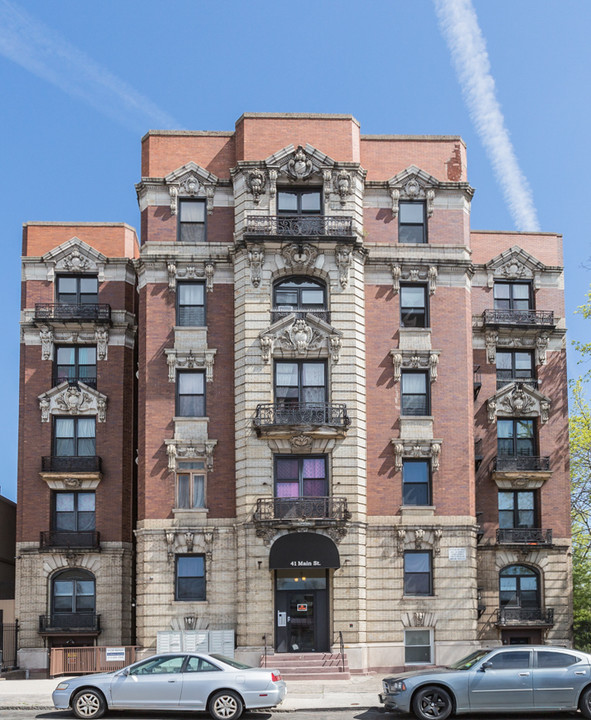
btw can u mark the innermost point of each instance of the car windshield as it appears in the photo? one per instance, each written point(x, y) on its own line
point(230, 661)
point(467, 662)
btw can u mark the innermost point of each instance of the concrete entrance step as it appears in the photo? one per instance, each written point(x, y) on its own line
point(305, 666)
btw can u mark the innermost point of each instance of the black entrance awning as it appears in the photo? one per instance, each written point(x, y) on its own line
point(304, 550)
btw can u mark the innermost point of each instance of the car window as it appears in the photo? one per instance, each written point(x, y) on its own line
point(511, 660)
point(552, 659)
point(197, 664)
point(230, 661)
point(466, 662)
point(157, 665)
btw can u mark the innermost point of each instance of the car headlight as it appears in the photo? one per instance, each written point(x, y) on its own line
point(396, 687)
point(63, 686)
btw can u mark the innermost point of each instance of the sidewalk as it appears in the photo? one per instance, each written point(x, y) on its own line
point(360, 691)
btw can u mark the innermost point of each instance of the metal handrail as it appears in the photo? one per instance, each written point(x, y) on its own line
point(299, 225)
point(508, 463)
point(509, 615)
point(82, 622)
point(524, 536)
point(71, 463)
point(301, 508)
point(100, 312)
point(69, 539)
point(543, 318)
point(317, 413)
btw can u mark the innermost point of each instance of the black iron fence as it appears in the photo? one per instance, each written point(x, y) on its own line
point(8, 645)
point(541, 318)
point(300, 225)
point(98, 312)
point(69, 539)
point(70, 622)
point(516, 615)
point(270, 414)
point(508, 463)
point(302, 508)
point(58, 463)
point(524, 536)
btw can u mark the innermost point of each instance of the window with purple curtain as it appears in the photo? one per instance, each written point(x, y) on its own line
point(300, 477)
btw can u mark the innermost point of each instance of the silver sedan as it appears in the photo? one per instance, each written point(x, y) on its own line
point(222, 686)
point(520, 678)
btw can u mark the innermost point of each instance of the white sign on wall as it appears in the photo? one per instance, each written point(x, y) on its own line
point(457, 554)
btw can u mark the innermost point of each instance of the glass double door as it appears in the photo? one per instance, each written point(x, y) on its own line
point(301, 612)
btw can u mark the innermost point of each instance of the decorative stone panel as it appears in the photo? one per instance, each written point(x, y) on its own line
point(74, 256)
point(294, 336)
point(415, 360)
point(515, 264)
point(49, 337)
point(418, 538)
point(189, 360)
point(179, 449)
point(517, 339)
point(414, 273)
point(518, 400)
point(194, 271)
point(75, 400)
point(191, 180)
point(417, 448)
point(413, 184)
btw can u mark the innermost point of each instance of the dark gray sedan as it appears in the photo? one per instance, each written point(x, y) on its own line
point(174, 681)
point(521, 678)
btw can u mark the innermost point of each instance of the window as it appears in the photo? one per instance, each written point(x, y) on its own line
point(512, 296)
point(515, 437)
point(412, 227)
point(417, 573)
point(299, 293)
point(75, 363)
point(190, 309)
point(74, 511)
point(198, 664)
point(190, 393)
point(417, 647)
point(415, 393)
point(300, 382)
point(73, 591)
point(416, 482)
point(74, 437)
point(77, 289)
point(555, 659)
point(518, 587)
point(190, 478)
point(517, 509)
point(510, 660)
point(192, 221)
point(299, 202)
point(300, 477)
point(163, 664)
point(413, 306)
point(190, 577)
point(514, 366)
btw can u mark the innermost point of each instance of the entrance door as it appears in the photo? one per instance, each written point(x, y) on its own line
point(301, 607)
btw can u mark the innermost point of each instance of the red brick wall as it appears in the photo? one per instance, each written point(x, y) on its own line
point(158, 225)
point(111, 239)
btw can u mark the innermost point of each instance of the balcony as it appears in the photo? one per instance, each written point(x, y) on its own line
point(516, 616)
point(534, 318)
point(524, 536)
point(55, 463)
point(299, 227)
point(67, 312)
point(321, 510)
point(270, 416)
point(70, 623)
point(283, 312)
point(84, 540)
point(516, 463)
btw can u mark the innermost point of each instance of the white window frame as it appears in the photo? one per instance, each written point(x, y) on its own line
point(431, 647)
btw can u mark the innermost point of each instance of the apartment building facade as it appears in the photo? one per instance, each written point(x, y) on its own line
point(350, 421)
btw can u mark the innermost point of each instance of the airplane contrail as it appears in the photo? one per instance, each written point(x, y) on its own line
point(459, 25)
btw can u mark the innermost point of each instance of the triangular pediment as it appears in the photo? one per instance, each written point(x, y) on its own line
point(75, 400)
point(75, 256)
point(413, 180)
point(190, 171)
point(514, 264)
point(518, 400)
point(300, 335)
point(300, 163)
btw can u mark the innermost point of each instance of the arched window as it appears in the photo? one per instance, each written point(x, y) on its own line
point(519, 587)
point(72, 593)
point(300, 295)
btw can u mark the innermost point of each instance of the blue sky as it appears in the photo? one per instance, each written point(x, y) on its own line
point(82, 82)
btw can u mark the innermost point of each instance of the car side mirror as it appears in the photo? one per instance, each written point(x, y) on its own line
point(485, 665)
point(124, 672)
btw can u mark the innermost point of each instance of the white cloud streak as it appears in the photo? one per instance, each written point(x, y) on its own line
point(459, 25)
point(41, 51)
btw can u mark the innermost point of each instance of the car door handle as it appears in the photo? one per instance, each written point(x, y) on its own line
point(580, 672)
point(524, 674)
point(172, 681)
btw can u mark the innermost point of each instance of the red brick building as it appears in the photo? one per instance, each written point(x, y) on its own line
point(350, 420)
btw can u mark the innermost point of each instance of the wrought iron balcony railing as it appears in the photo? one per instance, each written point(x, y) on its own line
point(273, 414)
point(538, 318)
point(532, 382)
point(524, 536)
point(299, 226)
point(70, 539)
point(57, 463)
point(63, 312)
point(511, 463)
point(282, 312)
point(70, 623)
point(531, 616)
point(90, 381)
point(302, 508)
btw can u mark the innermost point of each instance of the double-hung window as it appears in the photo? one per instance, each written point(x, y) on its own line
point(190, 478)
point(74, 511)
point(516, 437)
point(190, 577)
point(514, 366)
point(192, 221)
point(190, 401)
point(77, 289)
point(512, 296)
point(417, 647)
point(190, 309)
point(418, 579)
point(299, 294)
point(299, 202)
point(412, 224)
point(300, 391)
point(416, 482)
point(415, 392)
point(74, 437)
point(73, 592)
point(75, 363)
point(519, 587)
point(517, 509)
point(414, 306)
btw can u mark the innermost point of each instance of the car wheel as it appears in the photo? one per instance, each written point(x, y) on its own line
point(89, 704)
point(225, 705)
point(432, 702)
point(585, 703)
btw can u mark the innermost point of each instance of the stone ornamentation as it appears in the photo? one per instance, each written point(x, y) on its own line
point(432, 279)
point(46, 335)
point(490, 339)
point(300, 166)
point(76, 262)
point(541, 347)
point(414, 274)
point(101, 336)
point(396, 273)
point(72, 400)
point(170, 539)
point(419, 538)
point(415, 360)
point(300, 336)
point(413, 184)
point(343, 256)
point(189, 540)
point(514, 264)
point(256, 259)
point(335, 343)
point(209, 273)
point(176, 359)
point(343, 184)
point(178, 449)
point(518, 400)
point(395, 195)
point(266, 347)
point(173, 192)
point(427, 448)
point(299, 256)
point(255, 182)
point(72, 483)
point(171, 271)
point(300, 443)
point(401, 539)
point(190, 180)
